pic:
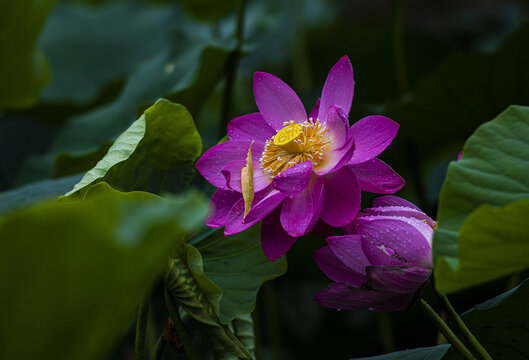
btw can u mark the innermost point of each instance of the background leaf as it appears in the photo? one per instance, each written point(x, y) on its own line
point(500, 324)
point(156, 153)
point(82, 267)
point(238, 265)
point(493, 170)
point(186, 77)
point(23, 67)
point(109, 41)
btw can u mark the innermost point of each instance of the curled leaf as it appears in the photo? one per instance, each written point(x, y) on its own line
point(247, 182)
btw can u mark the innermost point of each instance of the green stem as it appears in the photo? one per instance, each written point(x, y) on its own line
point(180, 328)
point(464, 329)
point(231, 70)
point(141, 330)
point(446, 331)
point(158, 349)
point(398, 49)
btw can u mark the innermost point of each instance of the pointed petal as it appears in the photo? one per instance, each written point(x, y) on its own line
point(276, 101)
point(274, 239)
point(393, 201)
point(342, 197)
point(348, 249)
point(337, 127)
point(372, 135)
point(340, 296)
point(395, 241)
point(333, 268)
point(294, 180)
point(338, 89)
point(222, 201)
point(250, 127)
point(377, 177)
point(314, 112)
point(232, 174)
point(397, 279)
point(210, 165)
point(298, 212)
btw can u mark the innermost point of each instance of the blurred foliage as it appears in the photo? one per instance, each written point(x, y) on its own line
point(82, 267)
point(475, 242)
point(24, 69)
point(208, 10)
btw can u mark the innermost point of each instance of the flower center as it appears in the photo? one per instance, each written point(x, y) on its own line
point(293, 144)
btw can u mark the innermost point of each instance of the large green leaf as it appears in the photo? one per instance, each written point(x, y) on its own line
point(465, 91)
point(156, 153)
point(500, 325)
point(238, 265)
point(493, 242)
point(109, 41)
point(74, 272)
point(23, 67)
point(493, 170)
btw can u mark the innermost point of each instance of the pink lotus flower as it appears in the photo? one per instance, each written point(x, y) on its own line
point(383, 263)
point(291, 171)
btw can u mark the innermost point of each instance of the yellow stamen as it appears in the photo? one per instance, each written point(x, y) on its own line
point(293, 144)
point(287, 136)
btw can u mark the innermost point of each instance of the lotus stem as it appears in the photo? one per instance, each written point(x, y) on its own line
point(464, 329)
point(446, 331)
point(180, 328)
point(141, 330)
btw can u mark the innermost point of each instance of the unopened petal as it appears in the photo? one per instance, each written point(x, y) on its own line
point(395, 241)
point(335, 269)
point(397, 279)
point(348, 249)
